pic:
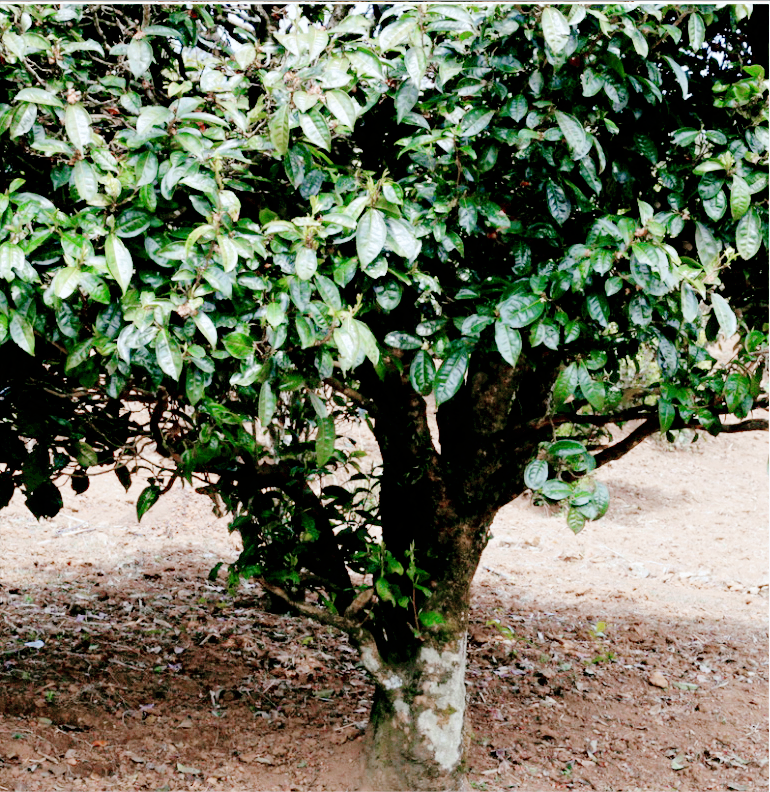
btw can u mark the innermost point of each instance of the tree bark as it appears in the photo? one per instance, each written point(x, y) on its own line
point(415, 736)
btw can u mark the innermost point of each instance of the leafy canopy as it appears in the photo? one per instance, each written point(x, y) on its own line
point(241, 217)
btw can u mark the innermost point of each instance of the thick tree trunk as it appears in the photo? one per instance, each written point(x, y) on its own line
point(415, 735)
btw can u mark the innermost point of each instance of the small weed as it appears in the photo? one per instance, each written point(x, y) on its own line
point(50, 696)
point(479, 785)
point(599, 629)
point(605, 657)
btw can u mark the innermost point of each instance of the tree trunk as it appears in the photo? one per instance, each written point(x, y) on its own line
point(415, 734)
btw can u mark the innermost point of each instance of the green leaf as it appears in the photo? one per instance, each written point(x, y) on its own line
point(267, 404)
point(696, 30)
point(324, 442)
point(119, 262)
point(396, 33)
point(139, 56)
point(680, 74)
point(556, 28)
point(79, 354)
point(239, 345)
point(370, 236)
point(84, 178)
point(405, 99)
point(38, 96)
point(565, 448)
point(152, 116)
point(593, 391)
point(565, 385)
point(329, 292)
point(475, 121)
point(598, 309)
point(575, 521)
point(403, 340)
point(168, 354)
point(740, 198)
point(736, 389)
point(450, 375)
point(556, 490)
point(558, 203)
point(77, 125)
point(315, 128)
point(148, 497)
point(725, 316)
point(574, 134)
point(601, 499)
point(383, 590)
point(689, 302)
point(342, 107)
point(422, 373)
point(22, 333)
point(521, 310)
point(204, 323)
point(23, 119)
point(707, 244)
point(279, 130)
point(11, 260)
point(508, 341)
point(536, 474)
point(306, 263)
point(748, 235)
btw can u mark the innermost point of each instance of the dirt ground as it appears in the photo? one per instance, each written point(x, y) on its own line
point(631, 657)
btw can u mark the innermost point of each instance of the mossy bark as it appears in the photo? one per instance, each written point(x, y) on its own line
point(415, 735)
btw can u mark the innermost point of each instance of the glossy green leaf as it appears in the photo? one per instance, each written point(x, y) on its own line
point(696, 30)
point(168, 354)
point(449, 378)
point(728, 324)
point(574, 134)
point(556, 28)
point(267, 404)
point(38, 96)
point(736, 389)
point(593, 390)
point(139, 56)
point(521, 310)
point(315, 129)
point(239, 345)
point(403, 340)
point(598, 309)
point(475, 121)
point(325, 439)
point(119, 261)
point(536, 474)
point(77, 124)
point(279, 130)
point(342, 107)
point(508, 341)
point(147, 498)
point(575, 521)
point(370, 235)
point(740, 198)
point(84, 179)
point(556, 490)
point(305, 263)
point(748, 235)
point(422, 372)
point(204, 323)
point(22, 333)
point(565, 385)
point(559, 204)
point(566, 448)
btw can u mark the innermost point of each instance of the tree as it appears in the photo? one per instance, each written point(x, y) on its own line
point(263, 222)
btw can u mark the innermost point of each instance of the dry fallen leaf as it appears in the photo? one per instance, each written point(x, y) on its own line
point(658, 680)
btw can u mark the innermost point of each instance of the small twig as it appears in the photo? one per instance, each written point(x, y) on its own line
point(66, 535)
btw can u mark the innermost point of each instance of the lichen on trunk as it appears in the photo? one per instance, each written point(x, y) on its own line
point(415, 737)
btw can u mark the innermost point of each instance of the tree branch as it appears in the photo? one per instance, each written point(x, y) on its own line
point(622, 447)
point(352, 394)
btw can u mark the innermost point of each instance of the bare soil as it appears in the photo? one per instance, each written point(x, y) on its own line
point(631, 657)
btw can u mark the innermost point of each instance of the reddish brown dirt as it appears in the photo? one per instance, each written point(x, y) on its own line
point(125, 668)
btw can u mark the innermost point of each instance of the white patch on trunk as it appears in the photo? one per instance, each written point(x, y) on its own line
point(393, 682)
point(370, 662)
point(444, 686)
